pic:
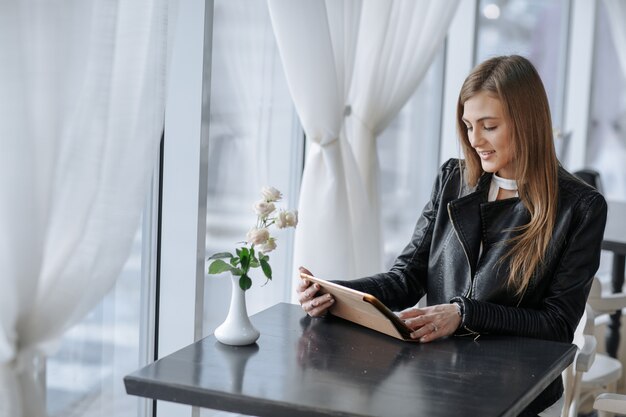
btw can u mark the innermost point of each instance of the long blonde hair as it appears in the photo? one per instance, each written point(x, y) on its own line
point(516, 83)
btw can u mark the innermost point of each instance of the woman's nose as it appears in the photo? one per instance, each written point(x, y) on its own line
point(474, 139)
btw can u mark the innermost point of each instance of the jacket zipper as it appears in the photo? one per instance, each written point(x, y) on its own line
point(468, 294)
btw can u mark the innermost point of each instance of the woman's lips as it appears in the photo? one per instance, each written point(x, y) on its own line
point(485, 154)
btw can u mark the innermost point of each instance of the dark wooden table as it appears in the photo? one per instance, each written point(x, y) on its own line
point(615, 241)
point(329, 367)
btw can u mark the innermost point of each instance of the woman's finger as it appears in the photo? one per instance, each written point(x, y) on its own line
point(428, 332)
point(410, 313)
point(319, 305)
point(305, 271)
point(441, 321)
point(308, 293)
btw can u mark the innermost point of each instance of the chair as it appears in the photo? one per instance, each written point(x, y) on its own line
point(604, 372)
point(591, 177)
point(607, 404)
point(585, 339)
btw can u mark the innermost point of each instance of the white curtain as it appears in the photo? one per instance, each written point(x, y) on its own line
point(616, 11)
point(82, 85)
point(350, 66)
point(397, 43)
point(317, 41)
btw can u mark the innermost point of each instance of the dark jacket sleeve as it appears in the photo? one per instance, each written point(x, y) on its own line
point(565, 300)
point(404, 284)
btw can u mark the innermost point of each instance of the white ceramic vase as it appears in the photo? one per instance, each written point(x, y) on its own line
point(237, 330)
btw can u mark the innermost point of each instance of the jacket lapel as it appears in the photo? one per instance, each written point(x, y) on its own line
point(500, 217)
point(463, 213)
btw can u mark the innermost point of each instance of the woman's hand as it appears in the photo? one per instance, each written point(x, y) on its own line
point(431, 323)
point(315, 304)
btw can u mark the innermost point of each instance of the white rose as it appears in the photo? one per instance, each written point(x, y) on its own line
point(263, 209)
point(281, 220)
point(287, 219)
point(257, 236)
point(291, 218)
point(268, 246)
point(271, 194)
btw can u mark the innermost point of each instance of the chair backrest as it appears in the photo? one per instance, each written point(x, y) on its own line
point(605, 303)
point(591, 177)
point(598, 303)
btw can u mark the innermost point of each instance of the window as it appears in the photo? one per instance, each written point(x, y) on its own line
point(606, 143)
point(408, 152)
point(536, 29)
point(254, 140)
point(85, 377)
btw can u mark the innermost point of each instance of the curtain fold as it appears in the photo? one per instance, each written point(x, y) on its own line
point(350, 66)
point(83, 87)
point(398, 41)
point(315, 40)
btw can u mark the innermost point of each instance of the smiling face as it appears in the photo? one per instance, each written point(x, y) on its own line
point(488, 133)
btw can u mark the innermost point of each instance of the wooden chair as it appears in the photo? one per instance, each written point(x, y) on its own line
point(585, 339)
point(594, 373)
point(608, 404)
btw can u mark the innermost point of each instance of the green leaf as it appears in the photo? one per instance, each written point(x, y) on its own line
point(236, 272)
point(254, 263)
point(245, 260)
point(245, 282)
point(267, 269)
point(218, 266)
point(234, 261)
point(238, 251)
point(220, 255)
point(252, 253)
point(264, 256)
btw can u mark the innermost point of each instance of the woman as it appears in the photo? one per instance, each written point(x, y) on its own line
point(509, 241)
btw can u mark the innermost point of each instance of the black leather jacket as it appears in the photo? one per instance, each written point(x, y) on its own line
point(442, 262)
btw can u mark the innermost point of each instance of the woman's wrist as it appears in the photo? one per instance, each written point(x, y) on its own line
point(460, 308)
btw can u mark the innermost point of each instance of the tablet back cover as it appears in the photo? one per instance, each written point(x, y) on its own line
point(354, 306)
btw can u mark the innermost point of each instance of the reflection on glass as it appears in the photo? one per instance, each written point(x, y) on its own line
point(251, 144)
point(85, 377)
point(536, 29)
point(408, 152)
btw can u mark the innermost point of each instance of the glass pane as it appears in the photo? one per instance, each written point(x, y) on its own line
point(408, 152)
point(253, 142)
point(536, 29)
point(85, 377)
point(606, 140)
point(606, 144)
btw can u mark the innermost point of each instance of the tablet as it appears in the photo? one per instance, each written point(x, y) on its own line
point(363, 309)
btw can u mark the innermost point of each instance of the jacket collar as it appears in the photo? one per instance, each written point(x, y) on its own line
point(474, 219)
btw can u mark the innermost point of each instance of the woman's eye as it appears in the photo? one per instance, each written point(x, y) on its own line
point(490, 128)
point(469, 128)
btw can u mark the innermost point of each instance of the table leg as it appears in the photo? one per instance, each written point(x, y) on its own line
point(613, 330)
